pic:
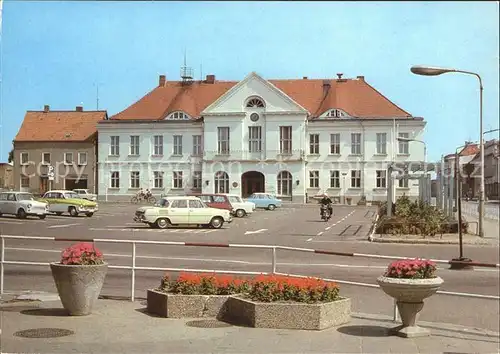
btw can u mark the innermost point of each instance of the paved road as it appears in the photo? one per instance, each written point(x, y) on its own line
point(291, 226)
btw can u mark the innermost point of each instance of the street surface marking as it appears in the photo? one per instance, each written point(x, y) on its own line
point(59, 226)
point(13, 222)
point(118, 255)
point(320, 233)
point(255, 232)
point(181, 231)
point(332, 225)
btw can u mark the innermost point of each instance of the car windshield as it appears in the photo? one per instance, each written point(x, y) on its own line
point(25, 196)
point(71, 196)
point(235, 199)
point(163, 202)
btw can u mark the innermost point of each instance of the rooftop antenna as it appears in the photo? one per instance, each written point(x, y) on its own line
point(201, 72)
point(97, 97)
point(186, 72)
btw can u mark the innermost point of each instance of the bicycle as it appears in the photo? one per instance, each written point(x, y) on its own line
point(140, 198)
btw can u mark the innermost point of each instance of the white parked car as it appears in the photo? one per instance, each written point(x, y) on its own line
point(85, 194)
point(240, 206)
point(22, 204)
point(182, 211)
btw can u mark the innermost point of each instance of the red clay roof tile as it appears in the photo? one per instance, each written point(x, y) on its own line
point(59, 125)
point(354, 96)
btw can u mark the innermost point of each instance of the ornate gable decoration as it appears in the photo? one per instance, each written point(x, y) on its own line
point(255, 102)
point(334, 113)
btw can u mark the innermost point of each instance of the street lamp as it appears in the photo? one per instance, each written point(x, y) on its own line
point(434, 71)
point(419, 141)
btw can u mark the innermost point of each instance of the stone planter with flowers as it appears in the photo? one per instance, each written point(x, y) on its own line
point(193, 295)
point(79, 277)
point(286, 302)
point(409, 282)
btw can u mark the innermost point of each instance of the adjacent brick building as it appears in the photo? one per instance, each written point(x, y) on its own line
point(63, 140)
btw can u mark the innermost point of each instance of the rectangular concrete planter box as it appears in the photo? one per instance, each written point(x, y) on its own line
point(288, 315)
point(179, 306)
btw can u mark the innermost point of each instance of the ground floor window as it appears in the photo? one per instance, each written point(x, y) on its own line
point(284, 183)
point(158, 179)
point(134, 179)
point(197, 180)
point(115, 179)
point(178, 179)
point(25, 182)
point(221, 182)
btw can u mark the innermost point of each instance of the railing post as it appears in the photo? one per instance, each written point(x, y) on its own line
point(274, 261)
point(2, 259)
point(395, 316)
point(132, 293)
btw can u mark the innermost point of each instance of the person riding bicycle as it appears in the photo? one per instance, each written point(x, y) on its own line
point(328, 202)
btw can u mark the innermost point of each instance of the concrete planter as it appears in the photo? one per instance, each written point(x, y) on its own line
point(78, 286)
point(179, 306)
point(410, 295)
point(291, 315)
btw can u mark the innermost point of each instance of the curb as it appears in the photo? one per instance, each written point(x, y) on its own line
point(425, 241)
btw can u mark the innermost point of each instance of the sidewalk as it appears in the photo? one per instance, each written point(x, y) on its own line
point(491, 227)
point(124, 327)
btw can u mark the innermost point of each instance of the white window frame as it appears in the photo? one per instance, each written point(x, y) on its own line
point(403, 146)
point(24, 153)
point(114, 146)
point(135, 143)
point(255, 138)
point(157, 145)
point(135, 176)
point(46, 163)
point(314, 144)
point(285, 183)
point(197, 145)
point(355, 178)
point(381, 178)
point(403, 183)
point(177, 181)
point(381, 143)
point(197, 180)
point(66, 154)
point(221, 182)
point(223, 141)
point(335, 144)
point(177, 145)
point(314, 179)
point(334, 179)
point(356, 144)
point(114, 179)
point(80, 154)
point(286, 139)
point(158, 180)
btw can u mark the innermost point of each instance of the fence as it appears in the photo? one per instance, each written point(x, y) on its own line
point(272, 249)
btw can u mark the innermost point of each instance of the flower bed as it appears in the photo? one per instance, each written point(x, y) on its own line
point(193, 295)
point(289, 303)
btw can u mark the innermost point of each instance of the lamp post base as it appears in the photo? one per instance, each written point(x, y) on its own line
point(462, 265)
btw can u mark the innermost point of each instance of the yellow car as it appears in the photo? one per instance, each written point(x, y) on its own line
point(61, 201)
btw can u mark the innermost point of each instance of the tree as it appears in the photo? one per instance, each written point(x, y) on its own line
point(11, 156)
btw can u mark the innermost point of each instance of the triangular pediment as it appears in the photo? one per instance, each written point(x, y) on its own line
point(254, 86)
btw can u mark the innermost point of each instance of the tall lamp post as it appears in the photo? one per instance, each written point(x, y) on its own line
point(434, 71)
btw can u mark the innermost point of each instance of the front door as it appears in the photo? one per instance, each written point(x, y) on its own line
point(44, 185)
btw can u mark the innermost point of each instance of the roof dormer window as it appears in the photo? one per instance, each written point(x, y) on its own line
point(178, 116)
point(335, 113)
point(255, 103)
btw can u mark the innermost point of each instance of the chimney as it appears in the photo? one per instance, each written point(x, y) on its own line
point(304, 77)
point(210, 79)
point(326, 87)
point(162, 81)
point(79, 108)
point(339, 75)
point(46, 108)
point(362, 78)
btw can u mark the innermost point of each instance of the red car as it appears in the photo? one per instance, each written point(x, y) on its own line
point(219, 201)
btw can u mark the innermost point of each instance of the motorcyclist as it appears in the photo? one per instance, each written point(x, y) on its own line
point(328, 202)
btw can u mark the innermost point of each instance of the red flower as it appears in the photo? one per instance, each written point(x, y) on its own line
point(411, 269)
point(82, 254)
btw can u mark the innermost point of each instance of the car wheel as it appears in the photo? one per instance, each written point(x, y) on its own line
point(240, 213)
point(72, 211)
point(41, 217)
point(216, 222)
point(271, 207)
point(89, 215)
point(162, 223)
point(58, 213)
point(21, 214)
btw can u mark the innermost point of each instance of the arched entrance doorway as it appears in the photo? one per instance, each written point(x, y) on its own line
point(252, 182)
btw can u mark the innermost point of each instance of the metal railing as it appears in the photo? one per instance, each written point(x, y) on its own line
point(273, 250)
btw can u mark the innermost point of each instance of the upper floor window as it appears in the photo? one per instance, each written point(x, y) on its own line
point(134, 145)
point(178, 116)
point(314, 144)
point(223, 140)
point(382, 143)
point(285, 139)
point(403, 145)
point(255, 139)
point(115, 146)
point(355, 143)
point(335, 113)
point(255, 103)
point(46, 158)
point(335, 144)
point(24, 158)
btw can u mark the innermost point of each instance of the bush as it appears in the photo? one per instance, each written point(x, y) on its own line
point(417, 218)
